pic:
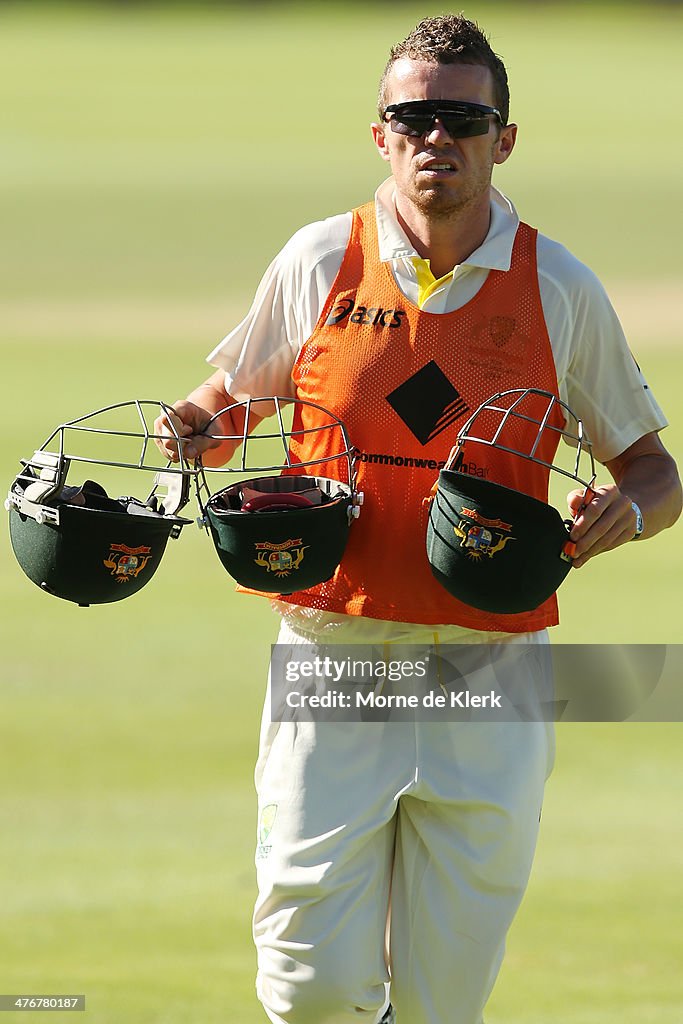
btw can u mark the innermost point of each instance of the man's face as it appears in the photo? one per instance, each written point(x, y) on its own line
point(438, 174)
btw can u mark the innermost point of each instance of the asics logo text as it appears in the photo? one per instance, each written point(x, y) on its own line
point(364, 316)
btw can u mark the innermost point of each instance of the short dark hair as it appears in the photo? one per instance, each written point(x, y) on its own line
point(450, 39)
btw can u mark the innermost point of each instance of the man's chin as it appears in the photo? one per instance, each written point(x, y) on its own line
point(440, 201)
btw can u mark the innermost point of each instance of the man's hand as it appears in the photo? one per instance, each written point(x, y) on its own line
point(189, 421)
point(644, 473)
point(190, 418)
point(606, 522)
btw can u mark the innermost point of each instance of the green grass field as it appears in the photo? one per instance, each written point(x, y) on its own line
point(153, 162)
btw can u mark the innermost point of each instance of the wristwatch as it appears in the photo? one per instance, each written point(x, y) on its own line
point(639, 521)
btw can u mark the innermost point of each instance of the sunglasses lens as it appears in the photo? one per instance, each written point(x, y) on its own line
point(463, 122)
point(411, 124)
point(465, 127)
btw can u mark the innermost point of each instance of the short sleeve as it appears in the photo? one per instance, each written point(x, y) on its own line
point(258, 355)
point(598, 376)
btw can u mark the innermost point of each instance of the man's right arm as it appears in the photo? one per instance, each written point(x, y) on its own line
point(190, 417)
point(257, 357)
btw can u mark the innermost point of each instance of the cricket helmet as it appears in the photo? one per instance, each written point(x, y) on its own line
point(282, 533)
point(76, 542)
point(491, 545)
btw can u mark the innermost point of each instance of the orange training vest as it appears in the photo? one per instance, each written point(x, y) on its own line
point(402, 381)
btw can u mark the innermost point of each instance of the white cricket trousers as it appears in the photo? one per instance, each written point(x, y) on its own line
point(392, 852)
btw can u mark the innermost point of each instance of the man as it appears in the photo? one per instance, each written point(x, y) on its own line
point(423, 831)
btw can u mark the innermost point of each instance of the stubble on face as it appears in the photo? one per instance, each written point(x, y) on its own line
point(440, 201)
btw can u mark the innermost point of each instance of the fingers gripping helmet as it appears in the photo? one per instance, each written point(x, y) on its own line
point(283, 533)
point(493, 546)
point(76, 542)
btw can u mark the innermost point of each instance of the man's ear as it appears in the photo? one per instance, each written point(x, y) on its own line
point(506, 143)
point(379, 138)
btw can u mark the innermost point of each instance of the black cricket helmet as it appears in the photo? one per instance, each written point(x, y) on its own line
point(278, 534)
point(76, 542)
point(490, 545)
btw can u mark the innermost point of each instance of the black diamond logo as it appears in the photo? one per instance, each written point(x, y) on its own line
point(427, 402)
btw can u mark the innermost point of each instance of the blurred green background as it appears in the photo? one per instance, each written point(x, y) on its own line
point(153, 161)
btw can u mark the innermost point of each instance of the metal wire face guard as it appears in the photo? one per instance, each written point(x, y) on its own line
point(75, 541)
point(493, 547)
point(500, 417)
point(284, 533)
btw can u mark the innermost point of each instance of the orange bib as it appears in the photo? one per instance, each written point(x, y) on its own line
point(403, 381)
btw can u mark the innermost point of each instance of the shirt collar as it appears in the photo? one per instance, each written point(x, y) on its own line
point(495, 252)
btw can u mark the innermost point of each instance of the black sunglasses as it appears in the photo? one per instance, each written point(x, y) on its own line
point(460, 119)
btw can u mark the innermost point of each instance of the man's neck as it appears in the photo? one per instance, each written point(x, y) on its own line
point(445, 242)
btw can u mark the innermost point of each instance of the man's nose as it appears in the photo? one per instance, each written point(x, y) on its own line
point(438, 134)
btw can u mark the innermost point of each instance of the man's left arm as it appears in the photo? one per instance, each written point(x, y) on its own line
point(645, 473)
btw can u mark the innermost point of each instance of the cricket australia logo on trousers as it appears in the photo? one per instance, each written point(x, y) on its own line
point(265, 827)
point(480, 536)
point(280, 559)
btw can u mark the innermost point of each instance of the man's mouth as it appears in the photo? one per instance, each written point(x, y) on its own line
point(438, 167)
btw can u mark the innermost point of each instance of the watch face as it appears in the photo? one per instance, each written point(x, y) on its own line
point(639, 520)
